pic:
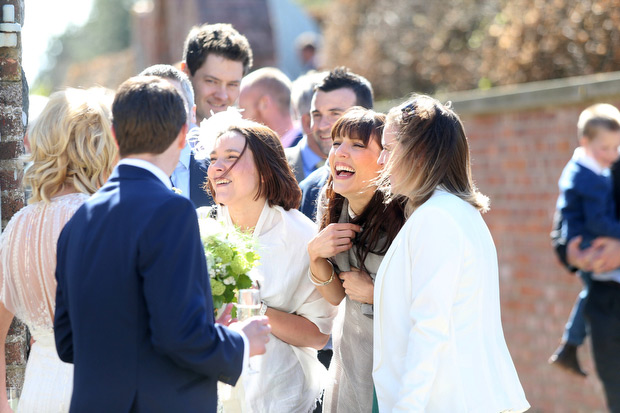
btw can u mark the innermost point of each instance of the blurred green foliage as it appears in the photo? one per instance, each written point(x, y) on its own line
point(107, 30)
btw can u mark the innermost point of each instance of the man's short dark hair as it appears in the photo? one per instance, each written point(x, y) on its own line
point(340, 78)
point(220, 39)
point(174, 74)
point(148, 114)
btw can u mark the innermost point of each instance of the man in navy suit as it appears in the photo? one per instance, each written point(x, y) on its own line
point(133, 303)
point(190, 175)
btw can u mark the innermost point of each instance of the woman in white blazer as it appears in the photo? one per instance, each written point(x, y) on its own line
point(438, 340)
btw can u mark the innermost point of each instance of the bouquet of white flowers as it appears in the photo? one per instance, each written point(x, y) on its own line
point(230, 257)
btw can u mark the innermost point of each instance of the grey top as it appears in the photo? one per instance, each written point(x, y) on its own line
point(351, 387)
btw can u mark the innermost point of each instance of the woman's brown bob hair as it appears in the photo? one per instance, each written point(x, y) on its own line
point(432, 151)
point(381, 219)
point(276, 181)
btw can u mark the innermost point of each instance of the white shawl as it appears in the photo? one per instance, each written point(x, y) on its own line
point(290, 378)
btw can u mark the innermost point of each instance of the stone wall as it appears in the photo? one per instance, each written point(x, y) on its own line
point(12, 91)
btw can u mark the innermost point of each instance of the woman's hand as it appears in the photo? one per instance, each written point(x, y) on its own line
point(607, 255)
point(358, 285)
point(603, 255)
point(225, 318)
point(577, 257)
point(332, 239)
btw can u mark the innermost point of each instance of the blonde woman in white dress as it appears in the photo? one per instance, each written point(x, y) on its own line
point(72, 153)
point(438, 340)
point(256, 191)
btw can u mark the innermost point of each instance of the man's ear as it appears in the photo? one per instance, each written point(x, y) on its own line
point(115, 140)
point(184, 68)
point(305, 122)
point(192, 115)
point(181, 137)
point(263, 104)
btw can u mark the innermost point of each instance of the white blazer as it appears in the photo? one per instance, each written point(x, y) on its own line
point(438, 340)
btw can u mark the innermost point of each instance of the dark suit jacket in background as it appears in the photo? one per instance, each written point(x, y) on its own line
point(310, 190)
point(133, 303)
point(293, 156)
point(197, 179)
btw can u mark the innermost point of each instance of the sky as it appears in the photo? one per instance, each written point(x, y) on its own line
point(43, 20)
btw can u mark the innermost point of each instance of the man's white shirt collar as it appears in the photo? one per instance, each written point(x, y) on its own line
point(140, 163)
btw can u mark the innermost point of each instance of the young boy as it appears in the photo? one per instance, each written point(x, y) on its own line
point(587, 208)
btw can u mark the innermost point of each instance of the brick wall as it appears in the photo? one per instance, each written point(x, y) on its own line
point(521, 138)
point(11, 194)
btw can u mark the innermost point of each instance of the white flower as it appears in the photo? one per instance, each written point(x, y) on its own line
point(229, 281)
point(212, 128)
point(210, 263)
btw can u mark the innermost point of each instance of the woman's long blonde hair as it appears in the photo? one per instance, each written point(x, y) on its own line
point(71, 144)
point(432, 151)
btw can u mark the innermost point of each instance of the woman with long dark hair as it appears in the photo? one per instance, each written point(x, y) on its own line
point(357, 225)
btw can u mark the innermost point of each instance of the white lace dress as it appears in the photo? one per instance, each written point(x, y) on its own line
point(28, 290)
point(290, 379)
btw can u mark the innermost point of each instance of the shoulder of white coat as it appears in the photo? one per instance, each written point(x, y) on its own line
point(442, 202)
point(442, 211)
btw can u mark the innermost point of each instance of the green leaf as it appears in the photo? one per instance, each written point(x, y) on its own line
point(218, 301)
point(244, 282)
point(229, 295)
point(250, 257)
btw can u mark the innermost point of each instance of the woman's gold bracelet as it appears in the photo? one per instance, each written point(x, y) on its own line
point(319, 283)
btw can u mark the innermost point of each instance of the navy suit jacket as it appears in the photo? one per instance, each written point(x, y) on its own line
point(293, 156)
point(133, 303)
point(310, 190)
point(197, 179)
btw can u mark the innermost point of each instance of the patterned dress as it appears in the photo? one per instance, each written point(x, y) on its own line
point(28, 290)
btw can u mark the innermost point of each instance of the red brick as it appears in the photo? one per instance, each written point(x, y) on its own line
point(11, 150)
point(15, 353)
point(11, 203)
point(11, 131)
point(518, 158)
point(10, 180)
point(10, 70)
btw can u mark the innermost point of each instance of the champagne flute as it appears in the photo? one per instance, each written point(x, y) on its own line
point(248, 305)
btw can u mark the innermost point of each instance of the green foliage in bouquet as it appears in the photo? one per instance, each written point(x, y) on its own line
point(230, 257)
